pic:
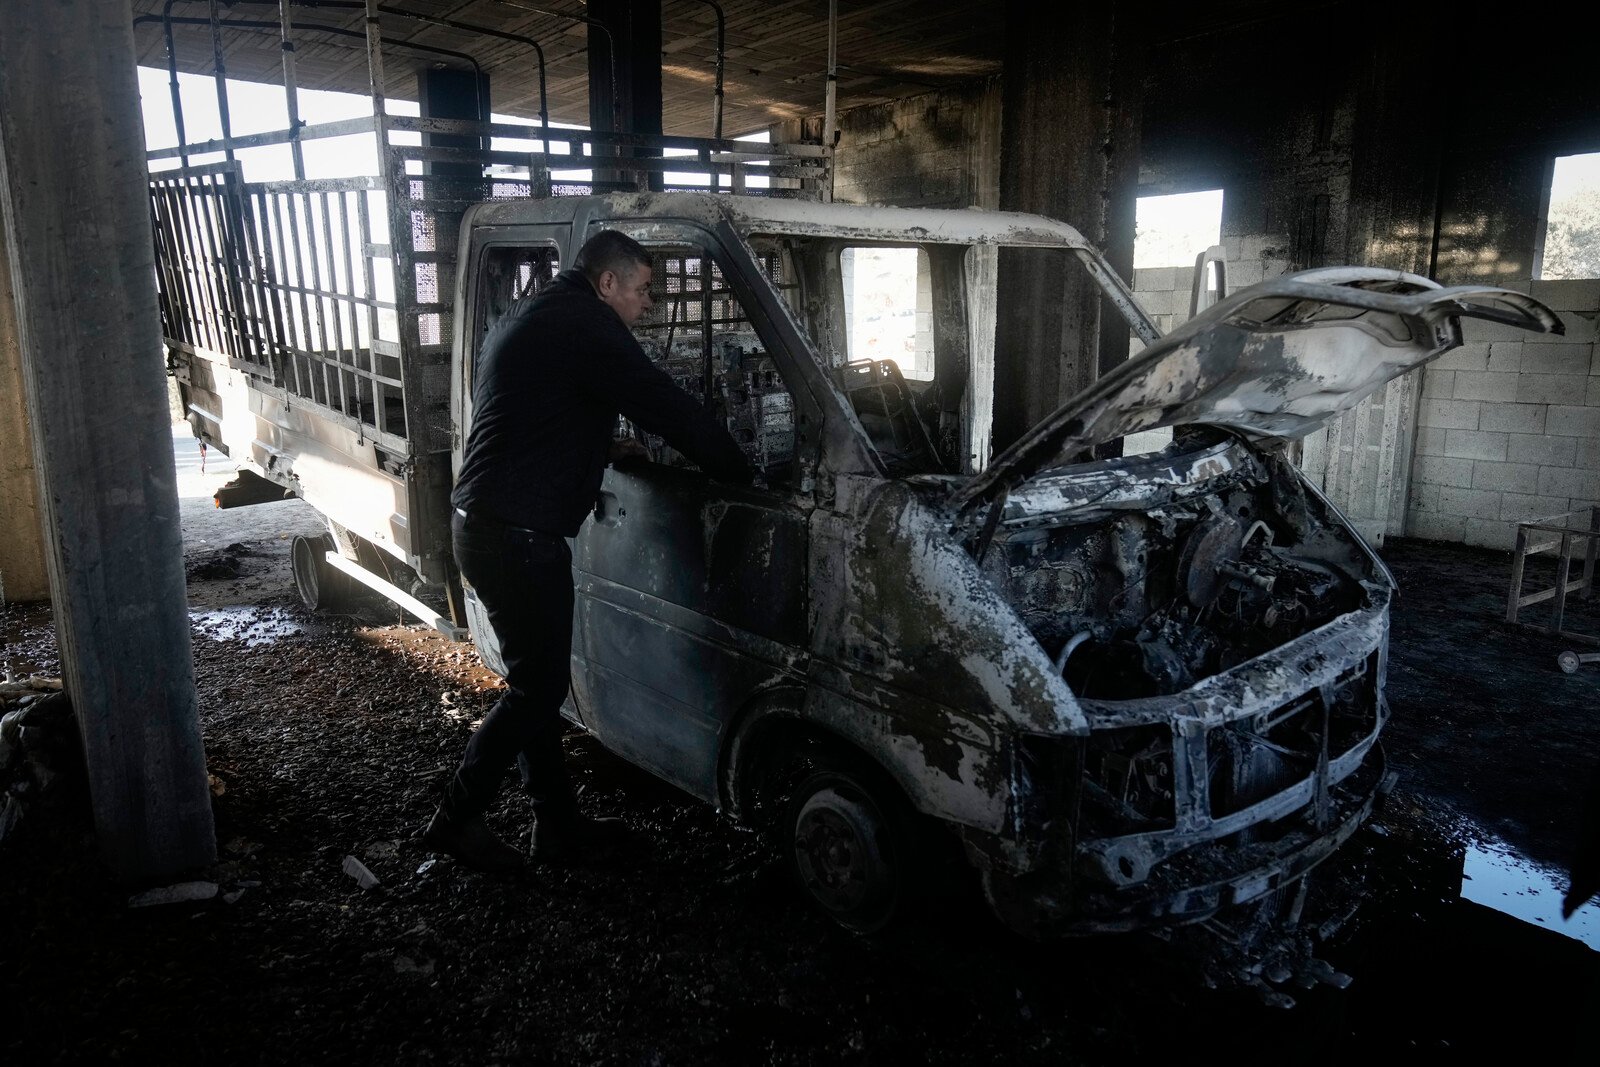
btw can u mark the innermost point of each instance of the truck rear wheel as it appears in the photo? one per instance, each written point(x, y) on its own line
point(322, 587)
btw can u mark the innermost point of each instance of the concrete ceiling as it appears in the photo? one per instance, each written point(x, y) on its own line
point(776, 52)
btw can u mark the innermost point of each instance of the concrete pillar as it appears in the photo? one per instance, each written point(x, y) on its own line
point(629, 100)
point(22, 570)
point(72, 193)
point(453, 94)
point(1070, 135)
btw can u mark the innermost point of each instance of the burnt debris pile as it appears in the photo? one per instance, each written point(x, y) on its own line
point(40, 752)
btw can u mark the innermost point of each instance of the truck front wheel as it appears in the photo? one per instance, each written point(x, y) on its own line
point(849, 846)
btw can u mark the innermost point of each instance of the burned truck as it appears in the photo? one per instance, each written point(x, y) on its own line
point(1128, 691)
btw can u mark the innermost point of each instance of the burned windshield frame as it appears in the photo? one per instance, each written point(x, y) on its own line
point(955, 407)
point(915, 426)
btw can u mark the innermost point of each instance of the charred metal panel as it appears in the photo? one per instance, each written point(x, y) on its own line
point(691, 596)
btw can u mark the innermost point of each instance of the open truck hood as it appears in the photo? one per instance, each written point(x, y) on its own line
point(1276, 360)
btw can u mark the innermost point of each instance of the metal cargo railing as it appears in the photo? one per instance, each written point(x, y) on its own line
point(336, 293)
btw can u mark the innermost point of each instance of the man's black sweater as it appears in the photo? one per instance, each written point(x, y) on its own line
point(553, 375)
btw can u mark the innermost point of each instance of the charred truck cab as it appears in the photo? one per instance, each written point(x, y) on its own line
point(1136, 691)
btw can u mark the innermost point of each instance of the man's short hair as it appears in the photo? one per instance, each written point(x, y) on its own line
point(610, 250)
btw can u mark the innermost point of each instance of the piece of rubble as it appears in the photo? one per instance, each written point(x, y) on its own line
point(30, 686)
point(358, 870)
point(178, 893)
point(407, 965)
point(381, 850)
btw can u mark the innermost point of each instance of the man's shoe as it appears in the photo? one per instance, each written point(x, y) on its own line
point(558, 839)
point(472, 842)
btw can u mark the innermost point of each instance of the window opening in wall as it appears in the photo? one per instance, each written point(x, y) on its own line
point(888, 307)
point(1170, 234)
point(1170, 231)
point(1571, 247)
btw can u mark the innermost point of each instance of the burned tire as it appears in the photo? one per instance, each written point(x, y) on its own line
point(322, 587)
point(848, 843)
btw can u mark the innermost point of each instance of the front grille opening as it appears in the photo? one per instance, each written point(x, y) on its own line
point(1246, 767)
point(1249, 761)
point(1128, 784)
point(1353, 712)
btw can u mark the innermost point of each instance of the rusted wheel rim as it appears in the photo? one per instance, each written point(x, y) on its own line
point(841, 858)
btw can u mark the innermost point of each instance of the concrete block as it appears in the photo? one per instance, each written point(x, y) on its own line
point(1474, 330)
point(1467, 357)
point(1485, 385)
point(1490, 533)
point(1560, 358)
point(1549, 388)
point(1591, 395)
point(1505, 356)
point(1438, 470)
point(1438, 384)
point(1571, 482)
point(1506, 477)
point(1563, 294)
point(1474, 444)
point(1450, 414)
point(1469, 503)
point(1423, 497)
point(1163, 278)
point(1430, 441)
point(1512, 418)
point(1571, 421)
point(1258, 245)
point(1433, 526)
point(1245, 274)
point(1543, 450)
point(1520, 507)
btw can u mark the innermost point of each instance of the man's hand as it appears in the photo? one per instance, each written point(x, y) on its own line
point(627, 450)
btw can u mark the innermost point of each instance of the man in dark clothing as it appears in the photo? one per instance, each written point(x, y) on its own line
point(552, 377)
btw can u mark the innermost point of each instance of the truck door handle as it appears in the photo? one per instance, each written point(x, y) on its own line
point(607, 511)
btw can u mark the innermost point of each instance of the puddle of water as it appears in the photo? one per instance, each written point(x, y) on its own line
point(253, 626)
point(1497, 877)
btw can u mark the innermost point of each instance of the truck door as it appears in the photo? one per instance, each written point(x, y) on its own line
point(509, 268)
point(691, 593)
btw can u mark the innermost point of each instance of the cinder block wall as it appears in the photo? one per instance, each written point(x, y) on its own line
point(1164, 294)
point(1510, 425)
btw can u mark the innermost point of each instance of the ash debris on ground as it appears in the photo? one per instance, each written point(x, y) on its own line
point(330, 743)
point(224, 563)
point(41, 756)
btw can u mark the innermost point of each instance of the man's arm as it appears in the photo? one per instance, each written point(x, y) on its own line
point(648, 397)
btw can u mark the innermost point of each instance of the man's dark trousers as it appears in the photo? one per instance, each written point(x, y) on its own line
point(524, 580)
